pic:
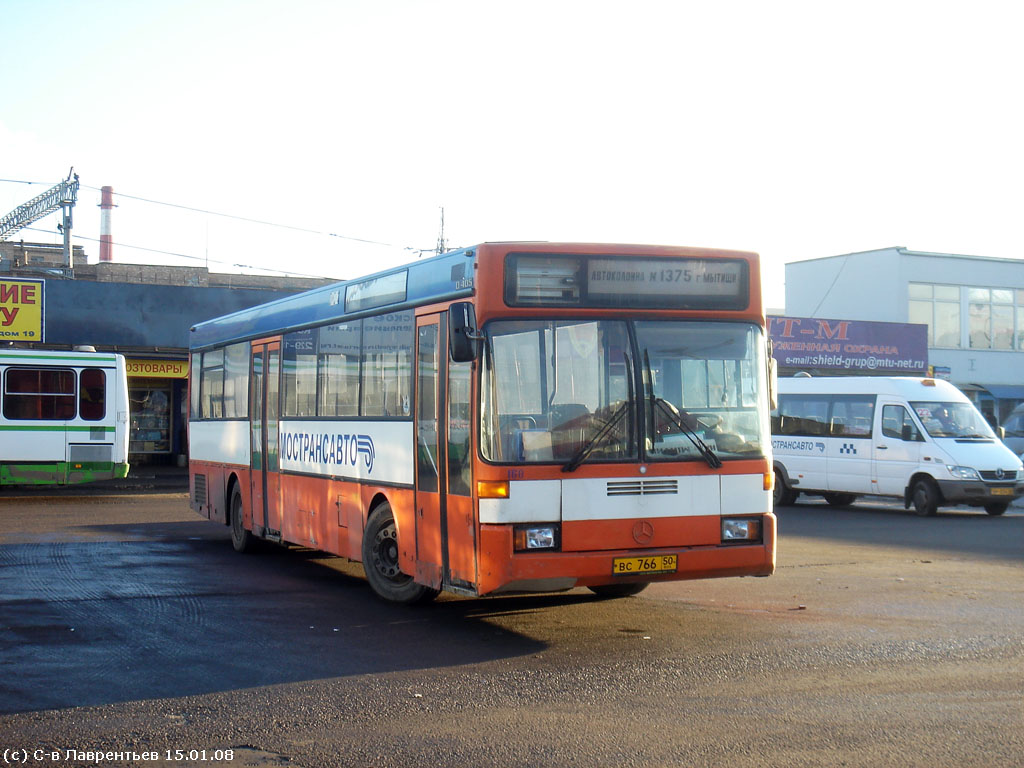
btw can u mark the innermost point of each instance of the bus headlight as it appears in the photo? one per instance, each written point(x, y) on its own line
point(741, 529)
point(963, 473)
point(532, 537)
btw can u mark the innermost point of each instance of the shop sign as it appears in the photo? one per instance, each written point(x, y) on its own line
point(861, 346)
point(157, 369)
point(21, 310)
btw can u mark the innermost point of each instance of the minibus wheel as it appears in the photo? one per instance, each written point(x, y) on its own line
point(241, 539)
point(925, 497)
point(380, 561)
point(782, 494)
point(996, 509)
point(618, 590)
point(840, 499)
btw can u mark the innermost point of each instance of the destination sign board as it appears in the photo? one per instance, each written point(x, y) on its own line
point(663, 277)
point(633, 282)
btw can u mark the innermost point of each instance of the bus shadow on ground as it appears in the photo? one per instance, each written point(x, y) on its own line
point(98, 622)
point(959, 530)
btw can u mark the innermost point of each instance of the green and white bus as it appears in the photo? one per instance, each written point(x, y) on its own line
point(63, 417)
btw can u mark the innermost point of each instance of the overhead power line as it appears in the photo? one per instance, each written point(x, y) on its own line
point(250, 220)
point(256, 221)
point(193, 258)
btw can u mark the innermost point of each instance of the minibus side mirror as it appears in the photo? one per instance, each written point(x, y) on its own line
point(908, 433)
point(463, 336)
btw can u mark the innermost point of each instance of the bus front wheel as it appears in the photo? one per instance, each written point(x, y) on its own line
point(618, 590)
point(380, 561)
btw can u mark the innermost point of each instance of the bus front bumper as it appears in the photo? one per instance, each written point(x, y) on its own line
point(502, 571)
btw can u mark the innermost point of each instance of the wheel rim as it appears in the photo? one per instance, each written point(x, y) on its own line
point(385, 553)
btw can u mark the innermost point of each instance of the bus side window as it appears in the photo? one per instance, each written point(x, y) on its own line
point(92, 401)
point(39, 394)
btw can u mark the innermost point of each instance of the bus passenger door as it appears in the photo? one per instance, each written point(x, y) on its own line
point(265, 478)
point(429, 457)
point(461, 522)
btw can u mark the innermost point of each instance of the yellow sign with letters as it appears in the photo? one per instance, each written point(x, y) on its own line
point(157, 369)
point(21, 310)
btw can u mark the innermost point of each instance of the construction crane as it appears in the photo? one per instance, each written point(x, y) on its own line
point(61, 196)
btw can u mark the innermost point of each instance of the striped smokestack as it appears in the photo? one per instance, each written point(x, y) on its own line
point(106, 205)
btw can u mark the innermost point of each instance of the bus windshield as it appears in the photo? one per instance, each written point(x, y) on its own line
point(558, 391)
point(711, 372)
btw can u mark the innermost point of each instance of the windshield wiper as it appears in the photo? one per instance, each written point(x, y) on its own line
point(686, 423)
point(677, 417)
point(589, 446)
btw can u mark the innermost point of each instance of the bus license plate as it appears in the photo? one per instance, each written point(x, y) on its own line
point(630, 566)
point(1002, 491)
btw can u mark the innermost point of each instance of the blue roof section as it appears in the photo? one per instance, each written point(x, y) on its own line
point(138, 315)
point(438, 278)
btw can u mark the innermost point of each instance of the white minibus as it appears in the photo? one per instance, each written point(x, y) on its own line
point(917, 439)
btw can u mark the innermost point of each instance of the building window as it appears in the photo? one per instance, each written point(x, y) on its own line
point(938, 307)
point(1020, 319)
point(991, 318)
point(151, 418)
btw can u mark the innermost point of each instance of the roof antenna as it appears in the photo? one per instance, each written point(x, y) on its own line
point(442, 246)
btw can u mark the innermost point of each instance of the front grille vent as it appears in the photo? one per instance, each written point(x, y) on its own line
point(994, 475)
point(642, 487)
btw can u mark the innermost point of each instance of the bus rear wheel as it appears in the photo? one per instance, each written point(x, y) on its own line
point(241, 539)
point(618, 590)
point(380, 561)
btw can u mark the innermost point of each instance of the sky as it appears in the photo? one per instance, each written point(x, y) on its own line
point(326, 138)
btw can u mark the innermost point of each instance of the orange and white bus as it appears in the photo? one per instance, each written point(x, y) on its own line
point(504, 418)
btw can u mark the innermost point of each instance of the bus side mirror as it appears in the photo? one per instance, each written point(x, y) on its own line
point(773, 384)
point(462, 332)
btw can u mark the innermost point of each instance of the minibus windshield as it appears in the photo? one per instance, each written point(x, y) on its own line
point(960, 420)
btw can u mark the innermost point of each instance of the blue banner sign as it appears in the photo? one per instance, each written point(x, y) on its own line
point(860, 346)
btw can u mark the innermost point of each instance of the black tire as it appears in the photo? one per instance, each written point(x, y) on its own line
point(241, 539)
point(782, 494)
point(380, 561)
point(925, 497)
point(618, 590)
point(840, 499)
point(997, 509)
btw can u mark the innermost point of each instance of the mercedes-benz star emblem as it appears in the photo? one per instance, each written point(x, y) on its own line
point(643, 532)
